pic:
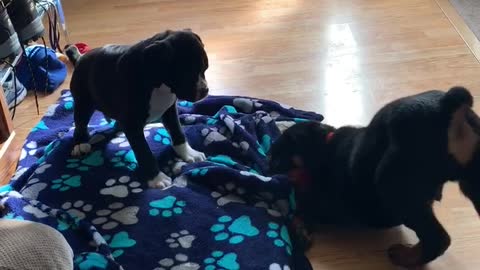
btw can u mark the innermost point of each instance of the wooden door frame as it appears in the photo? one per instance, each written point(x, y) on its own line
point(8, 157)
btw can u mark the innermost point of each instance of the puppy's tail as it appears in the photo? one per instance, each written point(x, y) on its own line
point(456, 98)
point(73, 54)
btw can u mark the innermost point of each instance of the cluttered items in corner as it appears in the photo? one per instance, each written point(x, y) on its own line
point(27, 64)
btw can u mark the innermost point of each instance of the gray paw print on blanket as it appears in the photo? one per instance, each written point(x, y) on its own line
point(115, 215)
point(273, 207)
point(33, 188)
point(180, 262)
point(212, 135)
point(121, 188)
point(263, 116)
point(181, 239)
point(246, 104)
point(242, 145)
point(229, 193)
point(78, 209)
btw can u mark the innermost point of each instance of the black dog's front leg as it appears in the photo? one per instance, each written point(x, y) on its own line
point(180, 144)
point(146, 161)
point(402, 185)
point(172, 124)
point(301, 234)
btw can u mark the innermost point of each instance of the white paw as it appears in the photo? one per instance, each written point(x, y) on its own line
point(160, 181)
point(81, 149)
point(189, 154)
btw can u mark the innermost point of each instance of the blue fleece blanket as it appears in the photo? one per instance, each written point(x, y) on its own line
point(223, 213)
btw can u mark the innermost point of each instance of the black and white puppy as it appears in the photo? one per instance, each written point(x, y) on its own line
point(390, 172)
point(137, 84)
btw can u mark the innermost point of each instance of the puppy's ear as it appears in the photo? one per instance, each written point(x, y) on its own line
point(157, 60)
point(160, 52)
point(195, 35)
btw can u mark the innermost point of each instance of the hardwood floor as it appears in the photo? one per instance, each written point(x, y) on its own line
point(342, 58)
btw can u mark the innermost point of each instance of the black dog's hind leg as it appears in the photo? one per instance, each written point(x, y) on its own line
point(402, 183)
point(434, 240)
point(81, 116)
point(301, 234)
point(146, 161)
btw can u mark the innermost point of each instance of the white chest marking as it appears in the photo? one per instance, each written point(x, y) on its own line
point(162, 98)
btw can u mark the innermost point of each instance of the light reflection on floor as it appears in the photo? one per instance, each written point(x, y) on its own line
point(341, 80)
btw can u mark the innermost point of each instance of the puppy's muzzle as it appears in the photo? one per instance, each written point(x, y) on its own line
point(202, 89)
point(202, 93)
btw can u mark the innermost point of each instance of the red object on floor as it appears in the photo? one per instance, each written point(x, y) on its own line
point(82, 47)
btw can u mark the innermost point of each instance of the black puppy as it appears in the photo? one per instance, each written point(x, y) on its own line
point(137, 84)
point(390, 172)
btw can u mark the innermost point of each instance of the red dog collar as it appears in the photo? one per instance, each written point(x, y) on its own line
point(330, 136)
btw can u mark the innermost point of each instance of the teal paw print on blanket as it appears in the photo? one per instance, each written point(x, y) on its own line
point(90, 260)
point(105, 122)
point(119, 242)
point(230, 109)
point(12, 215)
point(236, 231)
point(266, 143)
point(94, 159)
point(260, 150)
point(211, 121)
point(68, 99)
point(214, 119)
point(124, 158)
point(300, 120)
point(48, 150)
point(68, 105)
point(280, 236)
point(185, 103)
point(162, 136)
point(221, 261)
point(66, 182)
point(167, 206)
point(198, 171)
point(40, 126)
point(222, 160)
point(63, 226)
point(221, 112)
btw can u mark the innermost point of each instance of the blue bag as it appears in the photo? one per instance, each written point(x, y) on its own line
point(48, 71)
